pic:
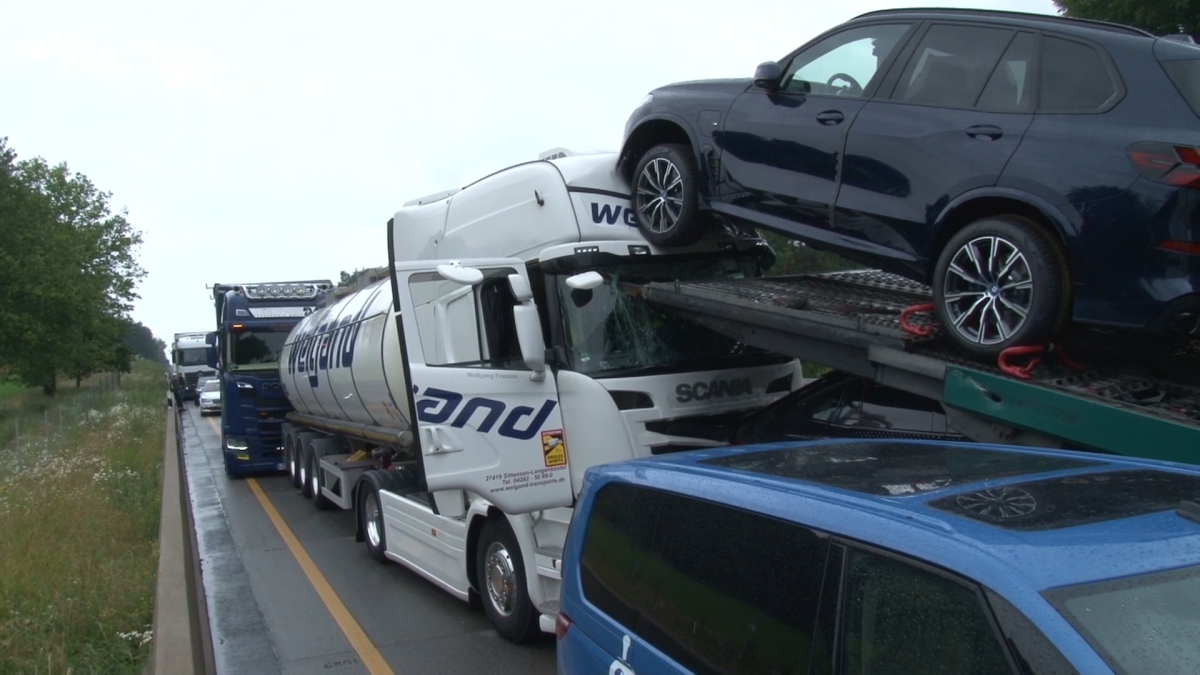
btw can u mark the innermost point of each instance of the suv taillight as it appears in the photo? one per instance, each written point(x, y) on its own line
point(1165, 163)
point(562, 623)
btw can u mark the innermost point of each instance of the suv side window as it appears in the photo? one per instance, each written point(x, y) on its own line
point(718, 589)
point(1009, 90)
point(901, 618)
point(1075, 77)
point(844, 64)
point(951, 65)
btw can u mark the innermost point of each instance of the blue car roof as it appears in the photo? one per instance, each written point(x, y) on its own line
point(997, 514)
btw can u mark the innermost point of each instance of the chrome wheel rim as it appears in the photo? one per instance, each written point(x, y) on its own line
point(660, 195)
point(303, 471)
point(500, 578)
point(371, 509)
point(315, 475)
point(988, 290)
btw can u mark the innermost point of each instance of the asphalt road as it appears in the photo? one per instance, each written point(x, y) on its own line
point(289, 591)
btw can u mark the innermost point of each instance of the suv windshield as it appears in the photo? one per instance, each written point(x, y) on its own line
point(256, 348)
point(1142, 625)
point(609, 331)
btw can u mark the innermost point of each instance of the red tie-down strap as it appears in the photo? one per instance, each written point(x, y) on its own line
point(1023, 372)
point(919, 331)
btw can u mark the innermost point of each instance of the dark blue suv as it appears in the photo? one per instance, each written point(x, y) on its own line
point(1032, 169)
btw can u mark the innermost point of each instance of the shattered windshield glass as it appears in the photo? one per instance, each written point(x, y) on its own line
point(607, 329)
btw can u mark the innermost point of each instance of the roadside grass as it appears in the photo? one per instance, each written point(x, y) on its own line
point(79, 510)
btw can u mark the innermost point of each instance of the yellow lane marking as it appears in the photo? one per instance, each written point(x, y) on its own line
point(367, 653)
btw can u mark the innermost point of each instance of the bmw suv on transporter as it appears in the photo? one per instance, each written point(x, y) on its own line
point(1031, 169)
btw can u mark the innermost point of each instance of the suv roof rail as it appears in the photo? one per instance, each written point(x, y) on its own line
point(1050, 18)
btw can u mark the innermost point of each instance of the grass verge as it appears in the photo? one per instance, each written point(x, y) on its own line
point(79, 510)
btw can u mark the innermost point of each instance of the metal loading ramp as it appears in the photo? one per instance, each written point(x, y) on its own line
point(1102, 392)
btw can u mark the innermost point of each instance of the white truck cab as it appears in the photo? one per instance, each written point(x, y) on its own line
point(511, 352)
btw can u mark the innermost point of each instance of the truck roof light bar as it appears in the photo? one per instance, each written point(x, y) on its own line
point(283, 290)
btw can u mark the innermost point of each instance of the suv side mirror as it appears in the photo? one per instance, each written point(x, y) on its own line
point(767, 75)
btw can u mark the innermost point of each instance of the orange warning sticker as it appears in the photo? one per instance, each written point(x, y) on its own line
point(554, 448)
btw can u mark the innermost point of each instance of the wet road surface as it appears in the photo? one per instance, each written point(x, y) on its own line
point(289, 591)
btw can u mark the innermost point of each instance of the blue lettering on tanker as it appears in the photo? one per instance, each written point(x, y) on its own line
point(609, 214)
point(441, 405)
point(327, 346)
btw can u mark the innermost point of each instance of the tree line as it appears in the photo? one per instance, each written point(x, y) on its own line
point(1160, 17)
point(68, 273)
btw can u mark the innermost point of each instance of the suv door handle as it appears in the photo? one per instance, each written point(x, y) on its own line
point(985, 132)
point(830, 117)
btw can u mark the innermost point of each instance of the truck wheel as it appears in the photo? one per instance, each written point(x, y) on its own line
point(501, 575)
point(314, 479)
point(370, 514)
point(289, 459)
point(666, 196)
point(302, 466)
point(1000, 282)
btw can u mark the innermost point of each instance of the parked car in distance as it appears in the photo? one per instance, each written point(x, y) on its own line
point(210, 397)
point(840, 405)
point(883, 556)
point(1032, 169)
point(200, 382)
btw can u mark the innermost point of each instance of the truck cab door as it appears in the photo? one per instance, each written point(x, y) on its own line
point(487, 416)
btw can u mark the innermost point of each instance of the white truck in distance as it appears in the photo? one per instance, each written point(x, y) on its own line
point(188, 363)
point(456, 405)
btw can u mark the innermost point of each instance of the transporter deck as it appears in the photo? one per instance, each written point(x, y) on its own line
point(1101, 391)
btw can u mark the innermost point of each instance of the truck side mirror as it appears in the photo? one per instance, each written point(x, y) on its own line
point(529, 326)
point(210, 356)
point(454, 271)
point(210, 339)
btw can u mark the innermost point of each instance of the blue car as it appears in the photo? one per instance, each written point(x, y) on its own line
point(1032, 169)
point(883, 557)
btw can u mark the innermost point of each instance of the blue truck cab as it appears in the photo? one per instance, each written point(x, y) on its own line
point(253, 322)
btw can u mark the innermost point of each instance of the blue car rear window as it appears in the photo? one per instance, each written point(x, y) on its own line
point(1070, 501)
point(897, 468)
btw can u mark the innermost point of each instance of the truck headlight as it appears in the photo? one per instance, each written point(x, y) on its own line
point(236, 444)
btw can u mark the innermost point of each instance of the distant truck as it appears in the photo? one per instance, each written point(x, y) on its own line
point(455, 405)
point(188, 364)
point(253, 320)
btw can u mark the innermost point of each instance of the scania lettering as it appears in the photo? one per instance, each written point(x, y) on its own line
point(702, 391)
point(455, 406)
point(253, 320)
point(188, 364)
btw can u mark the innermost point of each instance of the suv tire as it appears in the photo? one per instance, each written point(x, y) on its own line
point(1018, 292)
point(665, 196)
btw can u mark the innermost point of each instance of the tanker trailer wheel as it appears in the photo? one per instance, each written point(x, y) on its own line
point(500, 573)
point(370, 515)
point(289, 460)
point(302, 469)
point(314, 479)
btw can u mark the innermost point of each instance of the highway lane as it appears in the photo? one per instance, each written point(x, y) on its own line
point(289, 591)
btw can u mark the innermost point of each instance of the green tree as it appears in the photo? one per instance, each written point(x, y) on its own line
point(1160, 17)
point(67, 273)
point(794, 257)
point(140, 339)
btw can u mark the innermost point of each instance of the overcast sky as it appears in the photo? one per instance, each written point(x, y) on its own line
point(255, 141)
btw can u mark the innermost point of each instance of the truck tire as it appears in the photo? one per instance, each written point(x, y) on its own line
point(501, 574)
point(370, 520)
point(314, 482)
point(665, 199)
point(1018, 293)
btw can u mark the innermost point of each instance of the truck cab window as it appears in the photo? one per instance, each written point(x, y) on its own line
point(256, 347)
point(467, 326)
point(610, 331)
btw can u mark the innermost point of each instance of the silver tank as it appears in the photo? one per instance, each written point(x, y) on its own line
point(343, 362)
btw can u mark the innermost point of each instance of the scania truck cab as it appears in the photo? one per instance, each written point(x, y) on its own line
point(253, 320)
point(456, 405)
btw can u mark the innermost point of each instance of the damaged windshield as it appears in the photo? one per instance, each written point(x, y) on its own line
point(609, 330)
